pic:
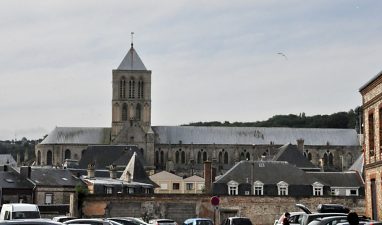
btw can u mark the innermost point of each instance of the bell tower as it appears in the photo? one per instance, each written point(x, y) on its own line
point(131, 105)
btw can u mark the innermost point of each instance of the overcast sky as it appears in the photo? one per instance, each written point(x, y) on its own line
point(210, 60)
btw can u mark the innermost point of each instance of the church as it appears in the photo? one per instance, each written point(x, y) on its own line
point(183, 149)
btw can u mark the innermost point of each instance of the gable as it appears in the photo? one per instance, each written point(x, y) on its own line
point(165, 176)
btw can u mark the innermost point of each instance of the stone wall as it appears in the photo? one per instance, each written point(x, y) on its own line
point(261, 210)
point(60, 195)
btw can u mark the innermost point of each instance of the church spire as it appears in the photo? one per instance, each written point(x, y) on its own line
point(132, 61)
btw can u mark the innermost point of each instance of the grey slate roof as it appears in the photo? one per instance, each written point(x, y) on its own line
point(131, 61)
point(292, 155)
point(7, 159)
point(106, 155)
point(370, 81)
point(78, 135)
point(254, 135)
point(12, 180)
point(339, 179)
point(53, 177)
point(268, 172)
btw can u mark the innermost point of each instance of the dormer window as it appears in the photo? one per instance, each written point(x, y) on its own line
point(258, 188)
point(318, 189)
point(282, 188)
point(233, 187)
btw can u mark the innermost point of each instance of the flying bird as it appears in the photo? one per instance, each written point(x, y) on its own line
point(282, 54)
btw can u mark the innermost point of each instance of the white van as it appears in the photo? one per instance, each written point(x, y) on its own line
point(19, 211)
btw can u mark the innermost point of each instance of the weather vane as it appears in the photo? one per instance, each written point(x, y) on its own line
point(132, 39)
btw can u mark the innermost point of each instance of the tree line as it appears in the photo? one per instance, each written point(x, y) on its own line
point(350, 119)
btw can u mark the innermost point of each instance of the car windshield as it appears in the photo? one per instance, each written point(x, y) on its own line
point(26, 215)
point(165, 221)
point(241, 221)
point(124, 221)
point(203, 222)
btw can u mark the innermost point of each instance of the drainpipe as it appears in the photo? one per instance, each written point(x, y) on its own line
point(252, 180)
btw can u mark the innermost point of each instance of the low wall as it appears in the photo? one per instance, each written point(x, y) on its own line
point(262, 210)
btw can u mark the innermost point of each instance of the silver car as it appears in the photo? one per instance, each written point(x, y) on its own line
point(92, 222)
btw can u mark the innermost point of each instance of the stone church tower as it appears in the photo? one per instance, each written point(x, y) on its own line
point(131, 105)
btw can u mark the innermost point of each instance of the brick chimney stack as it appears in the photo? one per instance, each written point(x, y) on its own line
point(207, 176)
point(113, 171)
point(300, 145)
point(91, 170)
point(25, 172)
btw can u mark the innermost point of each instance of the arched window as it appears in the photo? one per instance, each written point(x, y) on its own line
point(68, 154)
point(132, 88)
point(204, 156)
point(225, 157)
point(156, 157)
point(199, 160)
point(140, 89)
point(49, 158)
point(220, 157)
point(325, 160)
point(242, 156)
point(161, 157)
point(176, 157)
point(331, 159)
point(124, 112)
point(248, 156)
point(138, 112)
point(310, 156)
point(183, 157)
point(122, 88)
point(142, 152)
point(38, 158)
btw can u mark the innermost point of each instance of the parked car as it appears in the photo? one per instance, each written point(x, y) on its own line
point(237, 221)
point(309, 216)
point(19, 211)
point(363, 223)
point(92, 222)
point(198, 221)
point(128, 220)
point(333, 220)
point(332, 208)
point(163, 222)
point(62, 219)
point(29, 222)
point(294, 219)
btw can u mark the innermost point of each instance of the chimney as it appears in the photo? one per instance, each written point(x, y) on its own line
point(26, 156)
point(91, 168)
point(4, 168)
point(25, 172)
point(207, 176)
point(113, 171)
point(300, 145)
point(18, 159)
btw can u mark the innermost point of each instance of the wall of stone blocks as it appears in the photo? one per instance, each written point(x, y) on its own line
point(60, 195)
point(261, 210)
